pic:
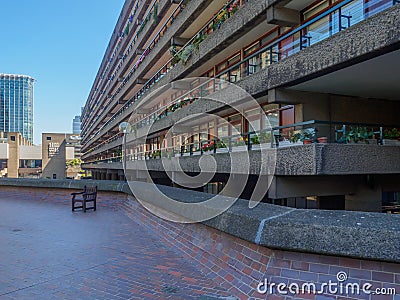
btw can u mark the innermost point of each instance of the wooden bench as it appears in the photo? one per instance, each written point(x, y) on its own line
point(89, 194)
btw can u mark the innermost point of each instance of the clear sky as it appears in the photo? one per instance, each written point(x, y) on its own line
point(61, 44)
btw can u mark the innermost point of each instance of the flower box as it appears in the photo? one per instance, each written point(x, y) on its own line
point(222, 150)
point(239, 148)
point(209, 152)
point(289, 144)
point(388, 142)
point(260, 146)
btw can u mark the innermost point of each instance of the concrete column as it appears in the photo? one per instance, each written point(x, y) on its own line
point(114, 176)
point(108, 176)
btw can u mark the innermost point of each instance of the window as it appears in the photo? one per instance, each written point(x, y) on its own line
point(12, 138)
point(48, 138)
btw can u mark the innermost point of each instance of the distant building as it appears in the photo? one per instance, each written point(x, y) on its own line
point(16, 104)
point(18, 157)
point(76, 125)
point(57, 158)
point(57, 150)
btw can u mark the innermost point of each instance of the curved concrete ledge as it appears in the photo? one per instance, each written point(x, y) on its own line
point(344, 233)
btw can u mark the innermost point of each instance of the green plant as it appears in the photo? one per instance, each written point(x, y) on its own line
point(307, 134)
point(358, 134)
point(255, 140)
point(74, 162)
point(186, 53)
point(198, 39)
point(295, 136)
point(221, 145)
point(208, 146)
point(155, 13)
point(391, 134)
point(265, 137)
point(155, 154)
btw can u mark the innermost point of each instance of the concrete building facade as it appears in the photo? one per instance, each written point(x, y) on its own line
point(322, 72)
point(20, 158)
point(16, 104)
point(57, 150)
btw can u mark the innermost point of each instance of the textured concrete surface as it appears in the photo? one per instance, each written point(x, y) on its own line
point(313, 159)
point(48, 252)
point(364, 40)
point(236, 26)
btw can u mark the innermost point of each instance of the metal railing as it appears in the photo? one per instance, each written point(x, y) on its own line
point(163, 70)
point(308, 132)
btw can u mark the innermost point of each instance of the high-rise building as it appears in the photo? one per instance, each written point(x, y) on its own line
point(324, 72)
point(16, 104)
point(76, 125)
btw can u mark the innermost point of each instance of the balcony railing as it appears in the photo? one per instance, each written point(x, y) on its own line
point(341, 16)
point(210, 26)
point(309, 132)
point(167, 23)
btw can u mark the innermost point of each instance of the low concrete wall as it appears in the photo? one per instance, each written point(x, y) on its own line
point(363, 235)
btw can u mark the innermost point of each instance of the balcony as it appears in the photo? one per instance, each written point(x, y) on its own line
point(278, 49)
point(307, 148)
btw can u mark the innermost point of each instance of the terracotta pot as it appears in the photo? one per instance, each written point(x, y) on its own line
point(323, 140)
point(307, 142)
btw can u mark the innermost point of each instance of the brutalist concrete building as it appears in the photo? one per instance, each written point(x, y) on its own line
point(323, 75)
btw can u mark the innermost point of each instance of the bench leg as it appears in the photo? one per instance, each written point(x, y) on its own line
point(84, 206)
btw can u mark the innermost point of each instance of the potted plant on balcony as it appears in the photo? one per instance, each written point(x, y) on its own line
point(308, 136)
point(221, 147)
point(295, 137)
point(255, 142)
point(156, 154)
point(208, 148)
point(239, 144)
point(322, 140)
point(391, 137)
point(359, 134)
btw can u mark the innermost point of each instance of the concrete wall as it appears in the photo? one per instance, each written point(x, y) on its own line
point(4, 153)
point(53, 155)
point(31, 152)
point(14, 150)
point(362, 41)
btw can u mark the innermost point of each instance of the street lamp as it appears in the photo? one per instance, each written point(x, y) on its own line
point(124, 128)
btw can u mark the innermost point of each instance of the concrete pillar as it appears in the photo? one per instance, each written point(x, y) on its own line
point(114, 176)
point(108, 176)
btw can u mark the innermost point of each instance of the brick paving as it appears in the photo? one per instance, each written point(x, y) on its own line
point(48, 252)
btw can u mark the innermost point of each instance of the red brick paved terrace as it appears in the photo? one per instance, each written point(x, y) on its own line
point(48, 252)
point(122, 251)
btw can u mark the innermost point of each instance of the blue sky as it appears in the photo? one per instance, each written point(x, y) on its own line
point(60, 44)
